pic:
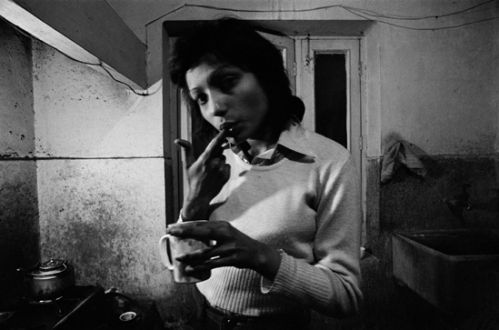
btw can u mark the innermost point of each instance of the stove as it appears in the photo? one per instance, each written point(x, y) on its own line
point(84, 308)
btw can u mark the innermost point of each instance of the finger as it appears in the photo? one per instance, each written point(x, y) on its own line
point(188, 154)
point(206, 230)
point(208, 255)
point(214, 262)
point(198, 256)
point(216, 146)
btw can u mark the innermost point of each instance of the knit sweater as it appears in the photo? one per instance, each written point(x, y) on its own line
point(308, 205)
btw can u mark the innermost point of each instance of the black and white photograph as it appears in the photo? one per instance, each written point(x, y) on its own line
point(249, 165)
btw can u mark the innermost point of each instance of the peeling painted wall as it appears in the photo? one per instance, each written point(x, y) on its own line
point(19, 230)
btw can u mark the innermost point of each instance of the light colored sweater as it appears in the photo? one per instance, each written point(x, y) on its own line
point(307, 204)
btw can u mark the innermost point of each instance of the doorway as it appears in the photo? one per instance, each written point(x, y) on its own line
point(328, 80)
point(303, 56)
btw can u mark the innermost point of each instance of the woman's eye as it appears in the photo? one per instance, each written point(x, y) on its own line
point(201, 99)
point(228, 83)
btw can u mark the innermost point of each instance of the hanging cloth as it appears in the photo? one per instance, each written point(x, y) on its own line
point(398, 153)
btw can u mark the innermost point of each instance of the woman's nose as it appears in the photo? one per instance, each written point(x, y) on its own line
point(218, 105)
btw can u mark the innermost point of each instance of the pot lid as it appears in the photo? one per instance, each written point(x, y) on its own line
point(50, 267)
point(52, 264)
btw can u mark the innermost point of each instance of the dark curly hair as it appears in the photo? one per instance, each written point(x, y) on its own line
point(236, 42)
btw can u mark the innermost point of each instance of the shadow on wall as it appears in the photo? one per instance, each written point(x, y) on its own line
point(19, 229)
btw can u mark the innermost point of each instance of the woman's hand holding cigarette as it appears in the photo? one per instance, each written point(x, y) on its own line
point(205, 176)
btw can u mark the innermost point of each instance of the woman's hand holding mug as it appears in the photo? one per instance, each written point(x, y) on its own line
point(232, 248)
point(179, 247)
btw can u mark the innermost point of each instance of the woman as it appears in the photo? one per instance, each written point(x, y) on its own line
point(283, 202)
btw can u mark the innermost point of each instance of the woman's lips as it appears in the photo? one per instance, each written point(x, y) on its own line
point(229, 127)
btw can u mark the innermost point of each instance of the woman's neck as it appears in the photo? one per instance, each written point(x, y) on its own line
point(257, 147)
point(260, 145)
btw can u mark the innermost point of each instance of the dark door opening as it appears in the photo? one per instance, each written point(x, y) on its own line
point(331, 96)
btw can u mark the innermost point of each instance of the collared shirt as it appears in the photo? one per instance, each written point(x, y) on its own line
point(287, 144)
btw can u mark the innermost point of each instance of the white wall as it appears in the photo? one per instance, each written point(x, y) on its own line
point(439, 88)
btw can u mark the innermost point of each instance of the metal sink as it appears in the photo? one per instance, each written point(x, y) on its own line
point(455, 270)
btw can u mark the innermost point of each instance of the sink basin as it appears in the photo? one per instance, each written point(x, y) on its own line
point(455, 270)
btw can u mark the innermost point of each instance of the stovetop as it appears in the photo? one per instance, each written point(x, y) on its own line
point(48, 314)
point(81, 307)
point(84, 308)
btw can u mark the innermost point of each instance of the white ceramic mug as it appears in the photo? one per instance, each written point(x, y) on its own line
point(178, 246)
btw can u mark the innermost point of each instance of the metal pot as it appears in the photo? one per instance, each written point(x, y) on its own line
point(49, 280)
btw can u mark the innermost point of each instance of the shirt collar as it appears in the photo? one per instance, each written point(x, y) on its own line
point(293, 138)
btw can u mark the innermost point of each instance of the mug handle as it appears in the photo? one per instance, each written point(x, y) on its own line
point(164, 247)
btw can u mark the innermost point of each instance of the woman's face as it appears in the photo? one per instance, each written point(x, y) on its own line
point(227, 94)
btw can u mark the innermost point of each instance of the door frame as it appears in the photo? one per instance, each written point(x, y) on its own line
point(306, 48)
point(294, 29)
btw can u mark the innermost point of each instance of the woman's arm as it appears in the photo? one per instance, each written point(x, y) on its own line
point(331, 285)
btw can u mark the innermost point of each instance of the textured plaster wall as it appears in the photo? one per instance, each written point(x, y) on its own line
point(439, 88)
point(16, 128)
point(19, 229)
point(80, 113)
point(105, 216)
point(100, 175)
